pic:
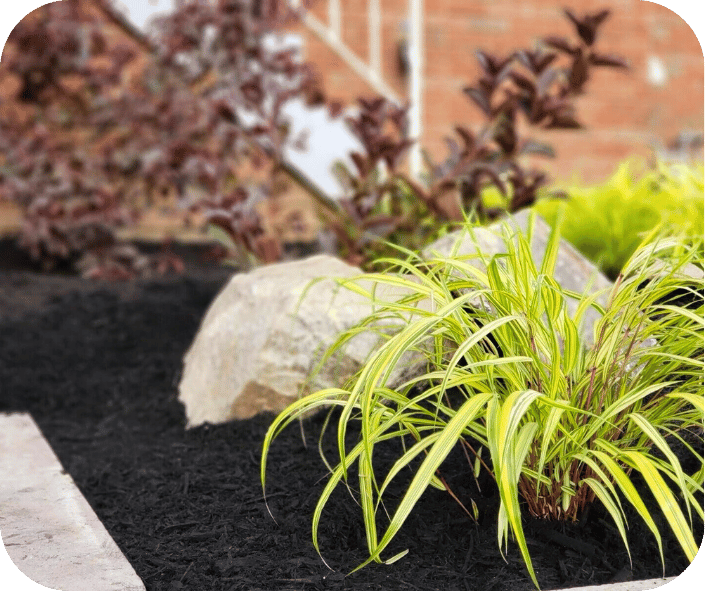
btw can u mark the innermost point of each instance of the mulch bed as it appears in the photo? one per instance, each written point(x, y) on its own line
point(97, 365)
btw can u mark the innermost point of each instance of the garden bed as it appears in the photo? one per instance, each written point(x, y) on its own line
point(97, 365)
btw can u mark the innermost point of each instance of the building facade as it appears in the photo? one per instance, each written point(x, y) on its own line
point(656, 107)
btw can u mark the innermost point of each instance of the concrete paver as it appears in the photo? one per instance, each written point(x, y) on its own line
point(48, 528)
point(53, 536)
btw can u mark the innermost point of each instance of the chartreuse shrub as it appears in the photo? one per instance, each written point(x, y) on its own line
point(566, 424)
point(607, 222)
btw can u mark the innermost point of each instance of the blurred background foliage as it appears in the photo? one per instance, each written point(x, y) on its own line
point(608, 221)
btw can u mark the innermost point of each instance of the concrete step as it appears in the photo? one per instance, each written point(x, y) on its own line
point(53, 536)
point(48, 528)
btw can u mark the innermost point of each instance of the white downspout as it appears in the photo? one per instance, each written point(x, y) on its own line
point(334, 18)
point(416, 54)
point(375, 23)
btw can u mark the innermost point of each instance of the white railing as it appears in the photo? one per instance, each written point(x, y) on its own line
point(330, 33)
point(416, 61)
point(370, 70)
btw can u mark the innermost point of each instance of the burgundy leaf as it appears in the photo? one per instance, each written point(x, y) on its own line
point(563, 121)
point(536, 61)
point(538, 148)
point(524, 83)
point(224, 110)
point(484, 60)
point(545, 80)
point(253, 90)
point(399, 118)
point(360, 163)
point(98, 43)
point(610, 61)
point(600, 16)
point(335, 109)
point(479, 98)
point(491, 174)
point(467, 137)
point(419, 191)
point(579, 73)
point(445, 185)
point(453, 149)
point(396, 154)
point(545, 61)
point(586, 27)
point(371, 104)
point(560, 44)
point(381, 220)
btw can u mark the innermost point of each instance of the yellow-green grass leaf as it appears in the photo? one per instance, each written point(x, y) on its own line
point(408, 457)
point(502, 425)
point(692, 484)
point(440, 450)
point(494, 276)
point(660, 442)
point(465, 269)
point(604, 479)
point(548, 432)
point(664, 355)
point(696, 400)
point(557, 381)
point(622, 403)
point(682, 312)
point(365, 476)
point(586, 301)
point(572, 345)
point(666, 500)
point(297, 409)
point(553, 297)
point(475, 338)
point(548, 264)
point(396, 557)
point(628, 489)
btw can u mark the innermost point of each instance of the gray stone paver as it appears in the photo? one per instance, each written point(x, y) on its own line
point(48, 528)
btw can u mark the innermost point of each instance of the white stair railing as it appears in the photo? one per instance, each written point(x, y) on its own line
point(331, 34)
point(370, 70)
point(416, 62)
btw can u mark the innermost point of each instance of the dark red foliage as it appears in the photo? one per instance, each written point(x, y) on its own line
point(90, 154)
point(538, 86)
point(209, 97)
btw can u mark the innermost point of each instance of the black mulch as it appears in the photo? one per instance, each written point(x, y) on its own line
point(97, 366)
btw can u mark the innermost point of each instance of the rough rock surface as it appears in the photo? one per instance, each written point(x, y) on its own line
point(267, 329)
point(265, 333)
point(572, 272)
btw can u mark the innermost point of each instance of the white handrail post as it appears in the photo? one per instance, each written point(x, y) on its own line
point(334, 18)
point(330, 34)
point(375, 31)
point(416, 9)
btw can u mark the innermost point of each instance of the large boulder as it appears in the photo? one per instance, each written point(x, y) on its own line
point(265, 333)
point(573, 271)
point(267, 329)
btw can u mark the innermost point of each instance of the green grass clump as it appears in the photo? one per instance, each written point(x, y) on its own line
point(607, 222)
point(507, 374)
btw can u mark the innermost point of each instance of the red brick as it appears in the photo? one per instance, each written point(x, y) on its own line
point(624, 111)
point(319, 9)
point(356, 36)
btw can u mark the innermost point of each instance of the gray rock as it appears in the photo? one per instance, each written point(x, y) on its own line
point(264, 334)
point(573, 271)
point(267, 329)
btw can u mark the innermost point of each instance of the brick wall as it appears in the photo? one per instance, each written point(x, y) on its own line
point(624, 112)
